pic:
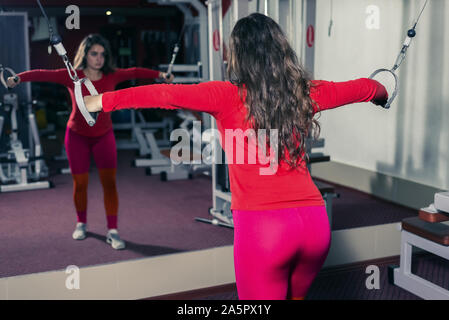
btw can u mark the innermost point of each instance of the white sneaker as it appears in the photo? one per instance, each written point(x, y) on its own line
point(80, 231)
point(114, 240)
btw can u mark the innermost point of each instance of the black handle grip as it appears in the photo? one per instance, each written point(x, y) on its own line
point(55, 39)
point(94, 115)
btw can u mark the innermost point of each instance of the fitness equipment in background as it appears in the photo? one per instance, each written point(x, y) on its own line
point(18, 165)
point(160, 162)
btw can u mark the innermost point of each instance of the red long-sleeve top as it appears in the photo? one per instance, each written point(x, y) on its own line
point(107, 83)
point(251, 190)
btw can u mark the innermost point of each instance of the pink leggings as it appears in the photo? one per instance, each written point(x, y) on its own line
point(278, 253)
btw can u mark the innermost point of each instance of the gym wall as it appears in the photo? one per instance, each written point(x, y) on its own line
point(410, 141)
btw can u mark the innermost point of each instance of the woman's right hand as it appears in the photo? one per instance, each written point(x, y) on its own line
point(163, 75)
point(11, 82)
point(93, 103)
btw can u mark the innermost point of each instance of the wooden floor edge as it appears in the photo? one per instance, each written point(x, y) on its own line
point(197, 293)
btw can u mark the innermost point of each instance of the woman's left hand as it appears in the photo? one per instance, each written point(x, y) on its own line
point(381, 102)
point(94, 103)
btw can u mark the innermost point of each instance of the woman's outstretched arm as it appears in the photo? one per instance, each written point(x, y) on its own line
point(139, 73)
point(59, 76)
point(329, 95)
point(215, 98)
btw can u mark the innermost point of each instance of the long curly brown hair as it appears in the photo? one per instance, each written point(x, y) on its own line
point(267, 71)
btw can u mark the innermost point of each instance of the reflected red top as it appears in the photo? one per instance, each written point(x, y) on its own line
point(106, 83)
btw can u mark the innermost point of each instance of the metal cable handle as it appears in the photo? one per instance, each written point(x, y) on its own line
point(56, 42)
point(400, 58)
point(2, 76)
point(395, 92)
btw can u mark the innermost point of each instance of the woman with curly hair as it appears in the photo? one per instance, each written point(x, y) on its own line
point(94, 61)
point(281, 229)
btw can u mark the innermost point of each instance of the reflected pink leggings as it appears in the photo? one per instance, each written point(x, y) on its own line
point(278, 253)
point(79, 151)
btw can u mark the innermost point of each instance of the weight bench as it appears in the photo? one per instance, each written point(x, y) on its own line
point(327, 191)
point(160, 162)
point(429, 233)
point(180, 171)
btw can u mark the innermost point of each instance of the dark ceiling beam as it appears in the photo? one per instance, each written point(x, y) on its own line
point(81, 3)
point(96, 11)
